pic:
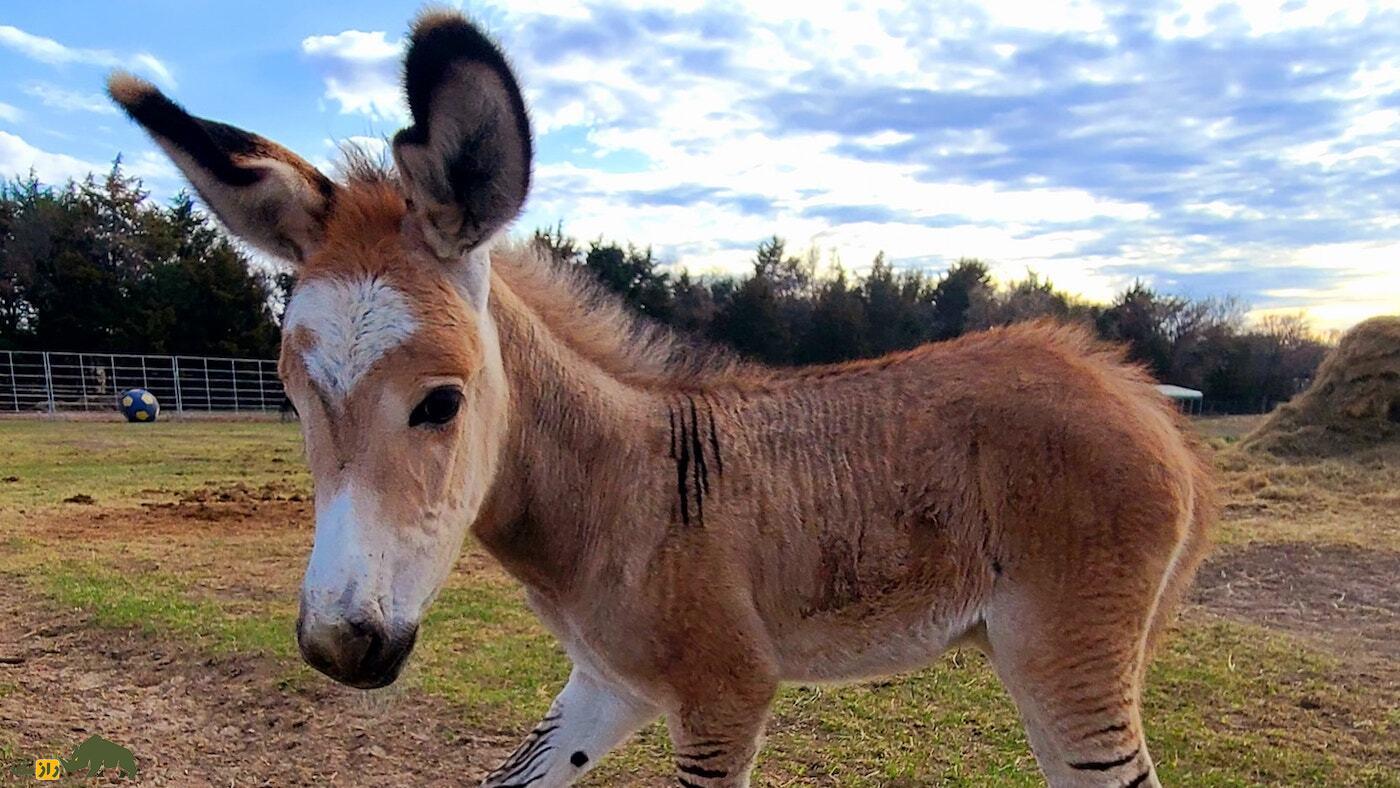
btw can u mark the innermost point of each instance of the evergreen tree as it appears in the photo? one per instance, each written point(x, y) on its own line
point(96, 266)
point(960, 298)
point(837, 330)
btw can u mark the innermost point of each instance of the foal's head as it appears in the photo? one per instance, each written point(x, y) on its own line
point(388, 350)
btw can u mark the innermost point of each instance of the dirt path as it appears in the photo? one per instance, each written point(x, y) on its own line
point(1346, 598)
point(193, 720)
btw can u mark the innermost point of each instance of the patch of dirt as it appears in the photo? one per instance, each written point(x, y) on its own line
point(195, 720)
point(182, 518)
point(243, 493)
point(1345, 596)
point(81, 498)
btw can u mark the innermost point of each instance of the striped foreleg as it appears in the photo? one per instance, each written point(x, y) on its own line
point(587, 719)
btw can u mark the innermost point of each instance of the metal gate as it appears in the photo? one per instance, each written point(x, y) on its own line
point(44, 382)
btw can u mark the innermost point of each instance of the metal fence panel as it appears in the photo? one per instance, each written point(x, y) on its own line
point(38, 381)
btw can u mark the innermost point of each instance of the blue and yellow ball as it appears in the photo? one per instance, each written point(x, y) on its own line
point(139, 405)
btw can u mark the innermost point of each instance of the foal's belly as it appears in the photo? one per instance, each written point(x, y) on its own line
point(858, 646)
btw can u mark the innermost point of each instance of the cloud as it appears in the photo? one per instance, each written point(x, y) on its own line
point(10, 114)
point(47, 50)
point(1091, 140)
point(693, 194)
point(70, 100)
point(360, 70)
point(155, 170)
point(144, 61)
point(18, 158)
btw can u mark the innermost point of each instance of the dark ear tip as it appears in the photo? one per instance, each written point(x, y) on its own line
point(434, 19)
point(439, 40)
point(440, 34)
point(129, 90)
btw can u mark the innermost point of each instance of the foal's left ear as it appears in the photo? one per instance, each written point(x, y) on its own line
point(465, 161)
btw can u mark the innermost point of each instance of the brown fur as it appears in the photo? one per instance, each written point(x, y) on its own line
point(1022, 489)
point(1022, 472)
point(696, 530)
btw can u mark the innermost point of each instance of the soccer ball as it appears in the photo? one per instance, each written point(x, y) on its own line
point(139, 405)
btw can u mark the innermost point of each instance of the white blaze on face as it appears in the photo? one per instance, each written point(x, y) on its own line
point(354, 322)
point(362, 567)
point(365, 567)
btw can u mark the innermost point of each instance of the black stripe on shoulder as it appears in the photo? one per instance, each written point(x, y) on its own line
point(714, 443)
point(683, 469)
point(1139, 780)
point(687, 783)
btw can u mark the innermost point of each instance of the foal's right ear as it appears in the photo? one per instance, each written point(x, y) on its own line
point(465, 161)
point(261, 191)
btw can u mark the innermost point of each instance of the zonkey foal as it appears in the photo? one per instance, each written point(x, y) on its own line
point(693, 531)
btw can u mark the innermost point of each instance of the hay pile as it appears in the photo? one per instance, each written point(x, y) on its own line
point(1353, 403)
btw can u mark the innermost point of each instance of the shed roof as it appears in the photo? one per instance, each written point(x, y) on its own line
point(1180, 392)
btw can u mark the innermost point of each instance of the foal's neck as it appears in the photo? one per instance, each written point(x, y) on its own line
point(577, 438)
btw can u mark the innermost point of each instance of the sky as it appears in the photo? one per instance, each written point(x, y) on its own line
point(1207, 148)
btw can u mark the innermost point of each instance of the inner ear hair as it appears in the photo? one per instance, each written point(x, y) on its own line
point(465, 160)
point(261, 191)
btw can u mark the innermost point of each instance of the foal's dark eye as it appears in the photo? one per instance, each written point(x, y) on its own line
point(438, 407)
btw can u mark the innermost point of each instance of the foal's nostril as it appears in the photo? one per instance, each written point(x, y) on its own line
point(359, 652)
point(363, 629)
point(360, 645)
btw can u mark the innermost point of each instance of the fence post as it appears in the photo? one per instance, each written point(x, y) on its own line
point(233, 378)
point(48, 382)
point(262, 390)
point(144, 384)
point(14, 381)
point(179, 401)
point(82, 379)
point(208, 389)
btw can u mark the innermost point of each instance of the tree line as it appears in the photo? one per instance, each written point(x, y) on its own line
point(96, 266)
point(789, 309)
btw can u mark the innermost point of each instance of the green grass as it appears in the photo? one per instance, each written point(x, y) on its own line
point(122, 463)
point(1225, 705)
point(161, 605)
point(1228, 704)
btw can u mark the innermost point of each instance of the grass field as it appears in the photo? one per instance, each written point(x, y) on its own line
point(153, 569)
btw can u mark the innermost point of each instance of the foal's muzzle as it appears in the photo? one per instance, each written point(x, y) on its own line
point(355, 652)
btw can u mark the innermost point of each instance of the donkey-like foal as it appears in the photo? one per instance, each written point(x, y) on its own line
point(694, 532)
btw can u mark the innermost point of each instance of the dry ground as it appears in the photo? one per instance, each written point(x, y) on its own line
point(198, 719)
point(157, 613)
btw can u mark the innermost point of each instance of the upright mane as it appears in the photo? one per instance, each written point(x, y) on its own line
point(597, 325)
